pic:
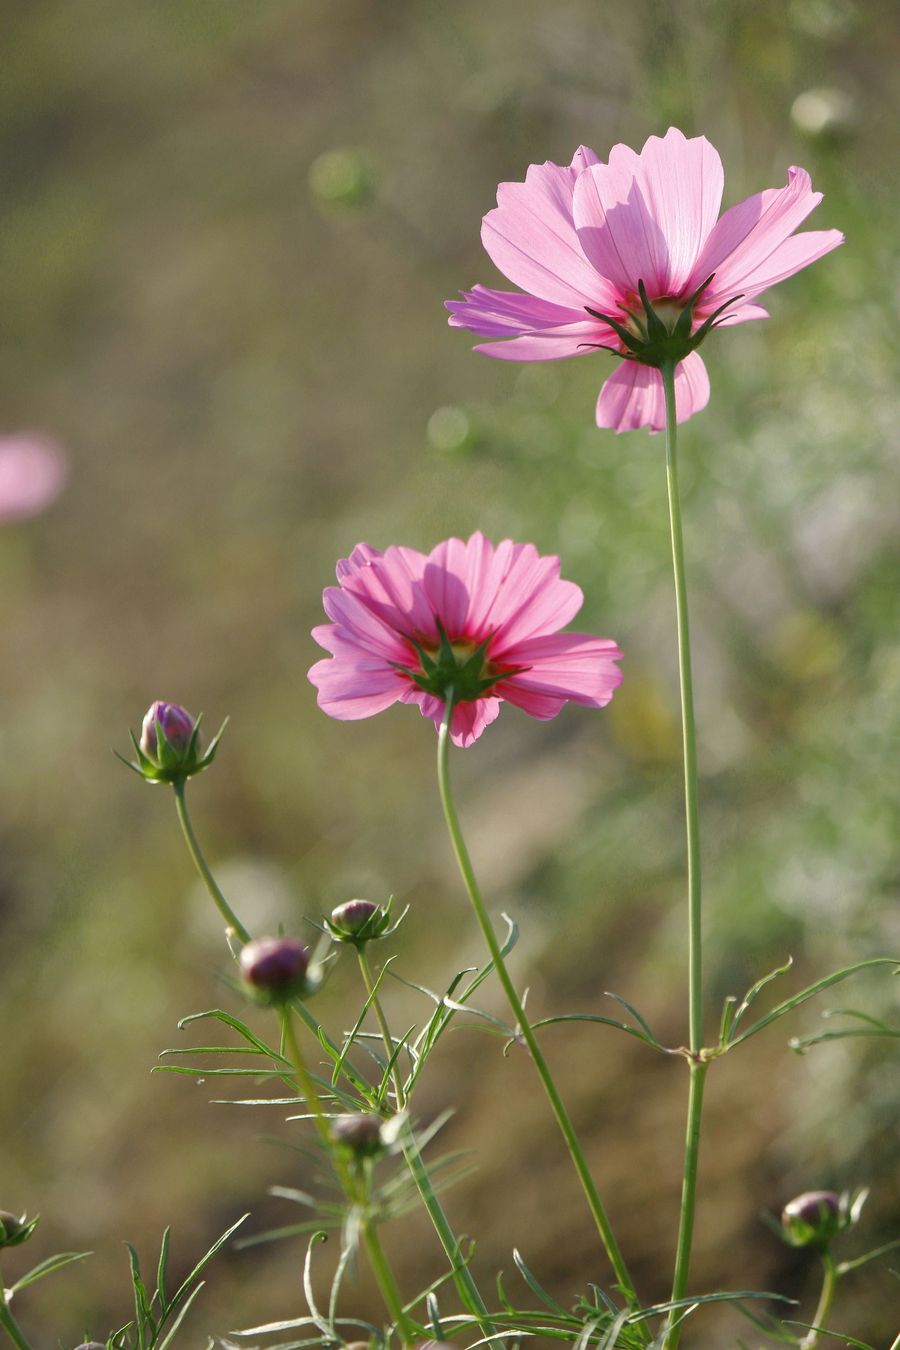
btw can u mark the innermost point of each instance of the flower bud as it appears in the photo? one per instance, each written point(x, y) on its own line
point(176, 724)
point(15, 1228)
point(358, 921)
point(361, 1134)
point(274, 969)
point(813, 1219)
point(169, 748)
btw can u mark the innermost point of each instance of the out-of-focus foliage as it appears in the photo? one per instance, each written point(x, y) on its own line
point(227, 232)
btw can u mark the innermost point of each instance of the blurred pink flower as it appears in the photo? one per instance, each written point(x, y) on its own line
point(407, 626)
point(33, 471)
point(579, 240)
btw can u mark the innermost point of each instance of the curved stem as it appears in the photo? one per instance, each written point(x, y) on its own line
point(9, 1323)
point(562, 1117)
point(209, 880)
point(462, 1277)
point(380, 1267)
point(692, 822)
point(826, 1299)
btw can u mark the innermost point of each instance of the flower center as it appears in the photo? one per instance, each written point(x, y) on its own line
point(457, 666)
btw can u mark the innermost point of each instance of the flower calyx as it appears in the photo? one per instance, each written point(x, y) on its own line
point(169, 749)
point(659, 333)
point(458, 669)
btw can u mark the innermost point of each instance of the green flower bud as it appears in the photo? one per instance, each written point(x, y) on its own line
point(813, 1219)
point(15, 1229)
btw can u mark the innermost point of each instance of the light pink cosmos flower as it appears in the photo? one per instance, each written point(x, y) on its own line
point(407, 626)
point(580, 239)
point(33, 471)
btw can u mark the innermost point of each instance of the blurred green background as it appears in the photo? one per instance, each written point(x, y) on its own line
point(227, 232)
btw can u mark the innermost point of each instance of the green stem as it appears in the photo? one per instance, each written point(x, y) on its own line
point(380, 1267)
point(462, 1277)
point(688, 1197)
point(9, 1323)
point(826, 1299)
point(380, 1018)
point(688, 725)
point(209, 880)
point(562, 1117)
point(692, 822)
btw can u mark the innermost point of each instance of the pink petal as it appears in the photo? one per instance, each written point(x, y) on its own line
point(560, 667)
point(33, 472)
point(468, 721)
point(531, 238)
point(358, 624)
point(790, 257)
point(749, 233)
point(390, 587)
point(527, 600)
point(576, 340)
point(633, 396)
point(505, 313)
point(645, 217)
point(350, 691)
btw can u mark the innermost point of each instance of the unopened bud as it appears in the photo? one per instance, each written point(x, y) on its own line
point(358, 921)
point(169, 749)
point(15, 1228)
point(176, 725)
point(359, 1133)
point(274, 968)
point(813, 1218)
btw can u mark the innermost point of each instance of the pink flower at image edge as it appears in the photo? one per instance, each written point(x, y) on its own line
point(493, 613)
point(581, 237)
point(33, 472)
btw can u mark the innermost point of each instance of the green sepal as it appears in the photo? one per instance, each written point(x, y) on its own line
point(652, 341)
point(14, 1231)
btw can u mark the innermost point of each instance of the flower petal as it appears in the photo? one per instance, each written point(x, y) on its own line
point(750, 232)
point(530, 236)
point(351, 690)
point(645, 217)
point(576, 340)
point(633, 395)
point(504, 313)
point(563, 666)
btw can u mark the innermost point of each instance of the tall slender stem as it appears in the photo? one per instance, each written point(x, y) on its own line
point(209, 880)
point(9, 1323)
point(377, 1259)
point(688, 725)
point(562, 1117)
point(692, 821)
point(462, 1276)
point(826, 1299)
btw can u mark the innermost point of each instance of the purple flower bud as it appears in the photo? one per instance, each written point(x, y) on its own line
point(813, 1218)
point(358, 921)
point(177, 726)
point(360, 1133)
point(274, 968)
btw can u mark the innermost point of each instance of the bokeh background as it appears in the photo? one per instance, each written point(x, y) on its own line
point(227, 231)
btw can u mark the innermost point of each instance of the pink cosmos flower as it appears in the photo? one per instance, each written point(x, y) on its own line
point(582, 240)
point(480, 621)
point(33, 471)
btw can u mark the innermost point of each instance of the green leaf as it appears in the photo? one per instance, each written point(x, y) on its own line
point(46, 1268)
point(810, 992)
point(547, 1299)
point(755, 990)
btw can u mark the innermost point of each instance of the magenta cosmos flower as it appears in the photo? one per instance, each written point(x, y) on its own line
point(467, 619)
point(585, 241)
